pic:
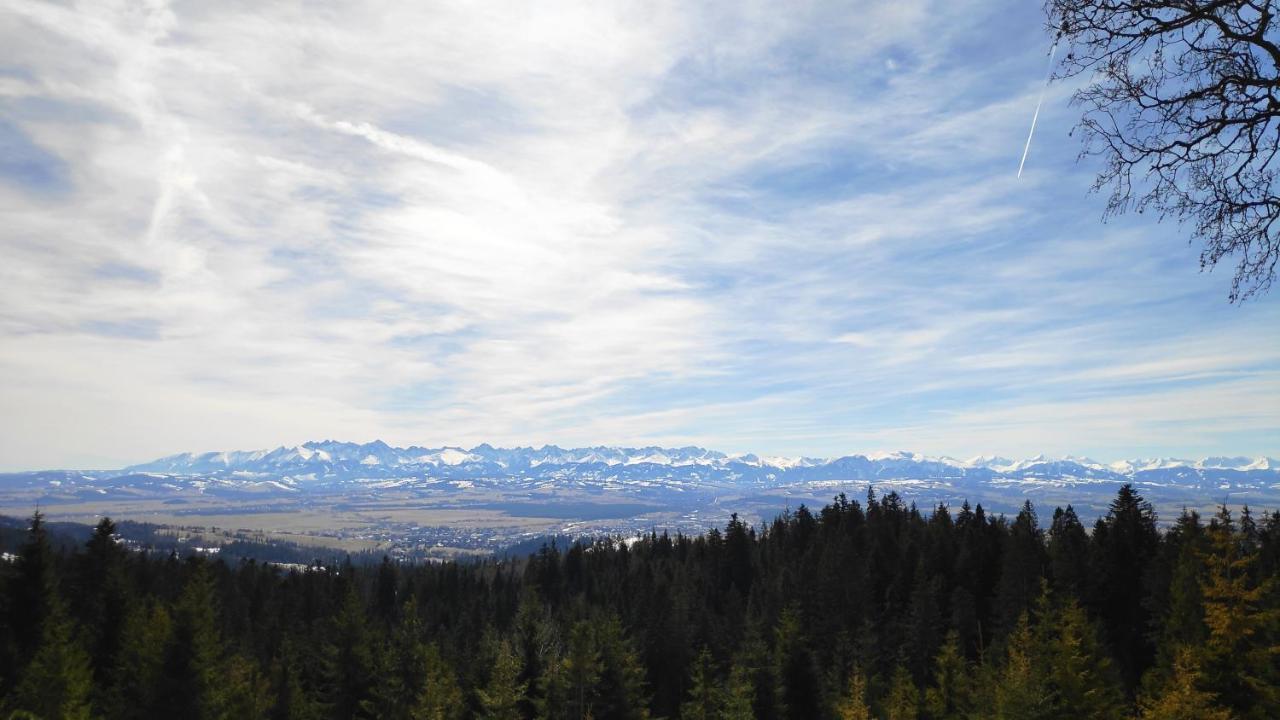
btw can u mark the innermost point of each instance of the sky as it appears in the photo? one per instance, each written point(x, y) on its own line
point(241, 225)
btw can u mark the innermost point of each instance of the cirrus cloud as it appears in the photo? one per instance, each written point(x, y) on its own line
point(238, 224)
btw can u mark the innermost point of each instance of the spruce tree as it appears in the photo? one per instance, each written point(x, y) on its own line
point(924, 624)
point(1125, 543)
point(294, 698)
point(1181, 696)
point(796, 668)
point(738, 542)
point(388, 590)
point(348, 659)
point(246, 692)
point(753, 657)
point(1068, 553)
point(136, 687)
point(205, 639)
point(568, 687)
point(397, 678)
point(1021, 692)
point(1184, 621)
point(440, 698)
point(903, 701)
point(58, 681)
point(31, 593)
point(103, 598)
point(950, 697)
point(1022, 567)
point(739, 695)
point(1243, 623)
point(1083, 681)
point(703, 697)
point(621, 691)
point(502, 696)
point(192, 678)
point(554, 700)
point(853, 703)
point(535, 641)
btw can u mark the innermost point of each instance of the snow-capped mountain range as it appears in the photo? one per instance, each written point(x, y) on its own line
point(610, 489)
point(332, 459)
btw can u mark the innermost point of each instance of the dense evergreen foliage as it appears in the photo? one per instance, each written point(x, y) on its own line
point(862, 610)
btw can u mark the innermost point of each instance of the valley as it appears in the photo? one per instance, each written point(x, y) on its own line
point(449, 502)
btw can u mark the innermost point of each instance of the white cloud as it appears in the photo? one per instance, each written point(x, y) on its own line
point(569, 222)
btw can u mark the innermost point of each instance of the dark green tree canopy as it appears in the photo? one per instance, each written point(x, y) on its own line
point(852, 611)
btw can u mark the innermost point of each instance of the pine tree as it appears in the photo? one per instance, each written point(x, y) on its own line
point(502, 696)
point(1181, 696)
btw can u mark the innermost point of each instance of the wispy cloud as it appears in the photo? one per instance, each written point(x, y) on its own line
point(232, 225)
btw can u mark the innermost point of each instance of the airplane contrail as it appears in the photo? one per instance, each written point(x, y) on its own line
point(1036, 116)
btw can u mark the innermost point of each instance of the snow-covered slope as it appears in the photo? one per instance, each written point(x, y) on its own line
point(684, 479)
point(332, 459)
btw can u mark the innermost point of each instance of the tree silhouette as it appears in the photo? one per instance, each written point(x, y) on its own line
point(1183, 107)
point(639, 629)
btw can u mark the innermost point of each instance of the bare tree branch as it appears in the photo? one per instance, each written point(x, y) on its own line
point(1183, 106)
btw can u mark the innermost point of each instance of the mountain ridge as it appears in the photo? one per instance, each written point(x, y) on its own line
point(379, 453)
point(485, 495)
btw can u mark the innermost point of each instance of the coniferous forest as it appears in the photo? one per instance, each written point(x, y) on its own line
point(869, 609)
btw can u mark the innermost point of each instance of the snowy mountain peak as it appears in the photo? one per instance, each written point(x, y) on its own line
point(1240, 463)
point(334, 459)
point(987, 461)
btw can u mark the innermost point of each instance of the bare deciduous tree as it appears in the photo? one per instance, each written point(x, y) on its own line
point(1182, 104)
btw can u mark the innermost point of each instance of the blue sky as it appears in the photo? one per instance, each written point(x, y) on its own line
point(233, 225)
